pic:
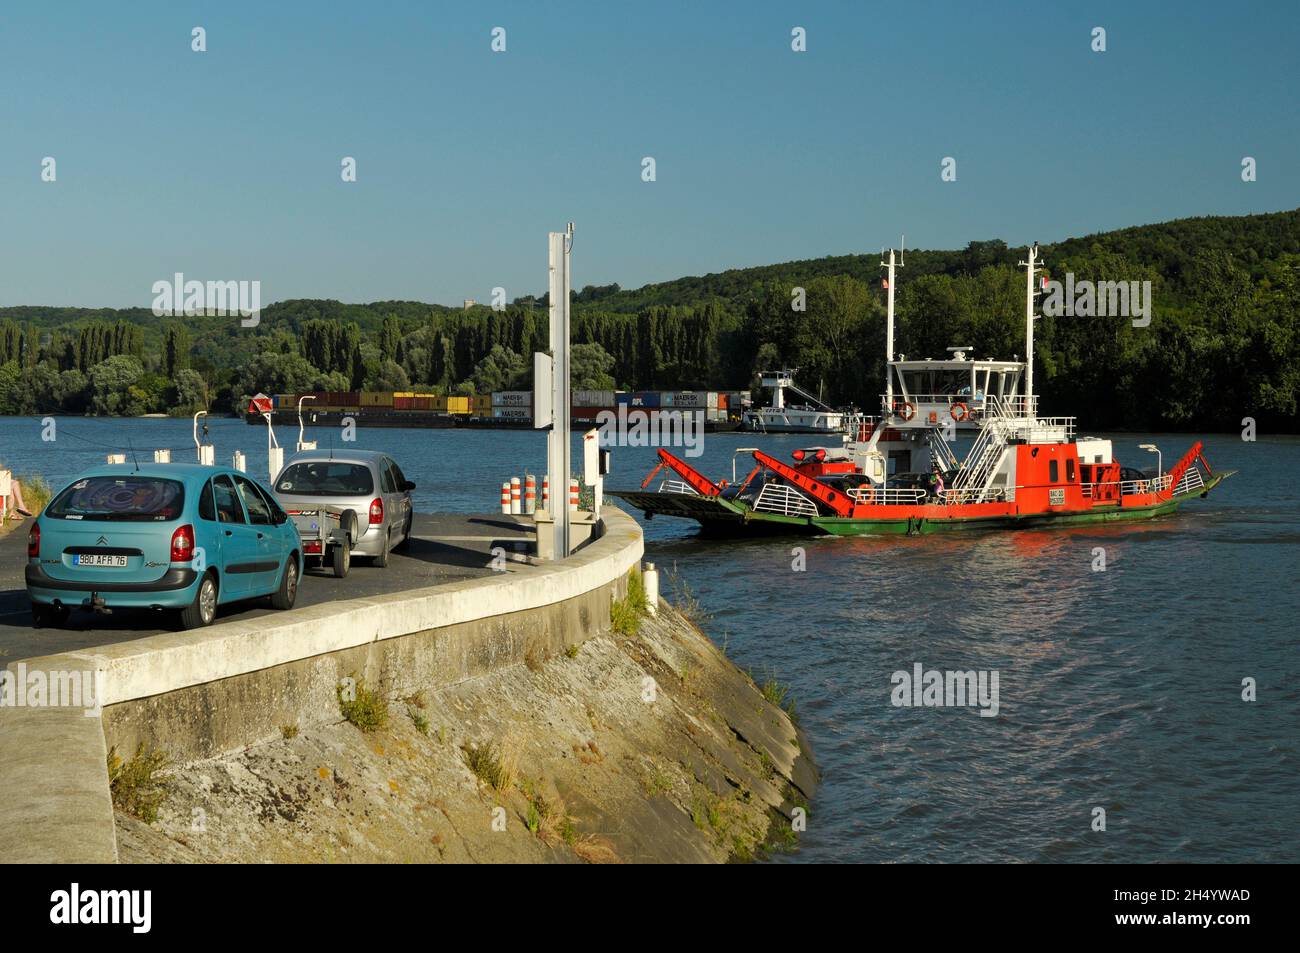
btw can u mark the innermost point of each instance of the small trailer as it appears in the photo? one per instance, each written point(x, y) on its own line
point(328, 534)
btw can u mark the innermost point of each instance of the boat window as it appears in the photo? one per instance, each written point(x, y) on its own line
point(1069, 471)
point(1053, 472)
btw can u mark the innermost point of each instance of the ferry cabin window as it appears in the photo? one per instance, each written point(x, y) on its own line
point(1069, 471)
point(1053, 471)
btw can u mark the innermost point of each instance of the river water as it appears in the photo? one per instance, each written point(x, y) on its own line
point(1118, 689)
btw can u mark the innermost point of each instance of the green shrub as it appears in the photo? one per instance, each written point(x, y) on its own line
point(135, 786)
point(368, 711)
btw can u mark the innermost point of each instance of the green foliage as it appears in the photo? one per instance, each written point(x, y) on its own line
point(1224, 341)
point(625, 614)
point(367, 710)
point(135, 785)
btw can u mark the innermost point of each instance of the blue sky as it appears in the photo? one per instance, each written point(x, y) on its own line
point(226, 164)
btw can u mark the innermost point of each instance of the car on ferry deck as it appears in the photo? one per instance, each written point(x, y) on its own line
point(368, 482)
point(168, 536)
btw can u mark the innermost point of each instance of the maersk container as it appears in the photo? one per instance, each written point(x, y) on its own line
point(690, 399)
point(512, 398)
point(512, 413)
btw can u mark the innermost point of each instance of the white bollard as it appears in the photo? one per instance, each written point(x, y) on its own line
point(530, 494)
point(650, 580)
point(239, 462)
point(515, 507)
point(275, 462)
point(505, 498)
point(117, 458)
point(546, 493)
point(573, 494)
point(207, 455)
point(162, 456)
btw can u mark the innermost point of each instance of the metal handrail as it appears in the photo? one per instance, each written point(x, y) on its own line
point(1131, 487)
point(783, 499)
point(680, 487)
point(886, 496)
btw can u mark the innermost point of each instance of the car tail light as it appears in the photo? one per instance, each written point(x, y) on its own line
point(183, 544)
point(34, 541)
point(376, 511)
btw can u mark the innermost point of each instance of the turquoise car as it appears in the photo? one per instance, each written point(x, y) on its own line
point(161, 536)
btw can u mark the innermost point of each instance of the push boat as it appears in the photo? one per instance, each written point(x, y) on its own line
point(898, 473)
point(810, 417)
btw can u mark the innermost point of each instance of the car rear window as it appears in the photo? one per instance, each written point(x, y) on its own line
point(131, 498)
point(326, 478)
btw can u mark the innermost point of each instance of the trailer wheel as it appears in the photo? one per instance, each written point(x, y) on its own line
point(348, 523)
point(342, 559)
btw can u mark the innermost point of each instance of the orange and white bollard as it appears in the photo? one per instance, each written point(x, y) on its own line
point(505, 498)
point(546, 493)
point(530, 494)
point(573, 494)
point(514, 496)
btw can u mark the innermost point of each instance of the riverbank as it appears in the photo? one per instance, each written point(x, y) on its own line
point(650, 747)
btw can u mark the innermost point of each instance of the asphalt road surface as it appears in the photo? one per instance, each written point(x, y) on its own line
point(444, 547)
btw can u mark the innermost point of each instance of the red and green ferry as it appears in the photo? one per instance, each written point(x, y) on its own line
point(898, 474)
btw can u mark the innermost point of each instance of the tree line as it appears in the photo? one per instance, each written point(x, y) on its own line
point(1223, 342)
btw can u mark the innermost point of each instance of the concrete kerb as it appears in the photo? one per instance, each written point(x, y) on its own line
point(54, 790)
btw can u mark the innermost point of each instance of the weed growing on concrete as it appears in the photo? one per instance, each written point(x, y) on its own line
point(419, 719)
point(636, 596)
point(135, 786)
point(624, 619)
point(625, 614)
point(657, 780)
point(779, 695)
point(368, 711)
point(495, 767)
point(594, 850)
point(571, 651)
point(289, 731)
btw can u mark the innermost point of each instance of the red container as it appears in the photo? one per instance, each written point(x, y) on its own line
point(403, 403)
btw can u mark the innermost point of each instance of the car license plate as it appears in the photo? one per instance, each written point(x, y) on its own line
point(94, 559)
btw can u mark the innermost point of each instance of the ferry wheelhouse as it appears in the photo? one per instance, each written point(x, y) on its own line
point(898, 473)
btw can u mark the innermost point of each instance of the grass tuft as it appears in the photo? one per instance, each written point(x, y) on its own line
point(494, 765)
point(135, 786)
point(368, 711)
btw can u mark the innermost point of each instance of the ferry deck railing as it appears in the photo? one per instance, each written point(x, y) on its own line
point(680, 487)
point(785, 500)
point(886, 496)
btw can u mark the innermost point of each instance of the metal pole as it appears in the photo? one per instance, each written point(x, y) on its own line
point(558, 447)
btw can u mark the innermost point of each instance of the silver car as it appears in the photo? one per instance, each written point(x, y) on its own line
point(368, 482)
